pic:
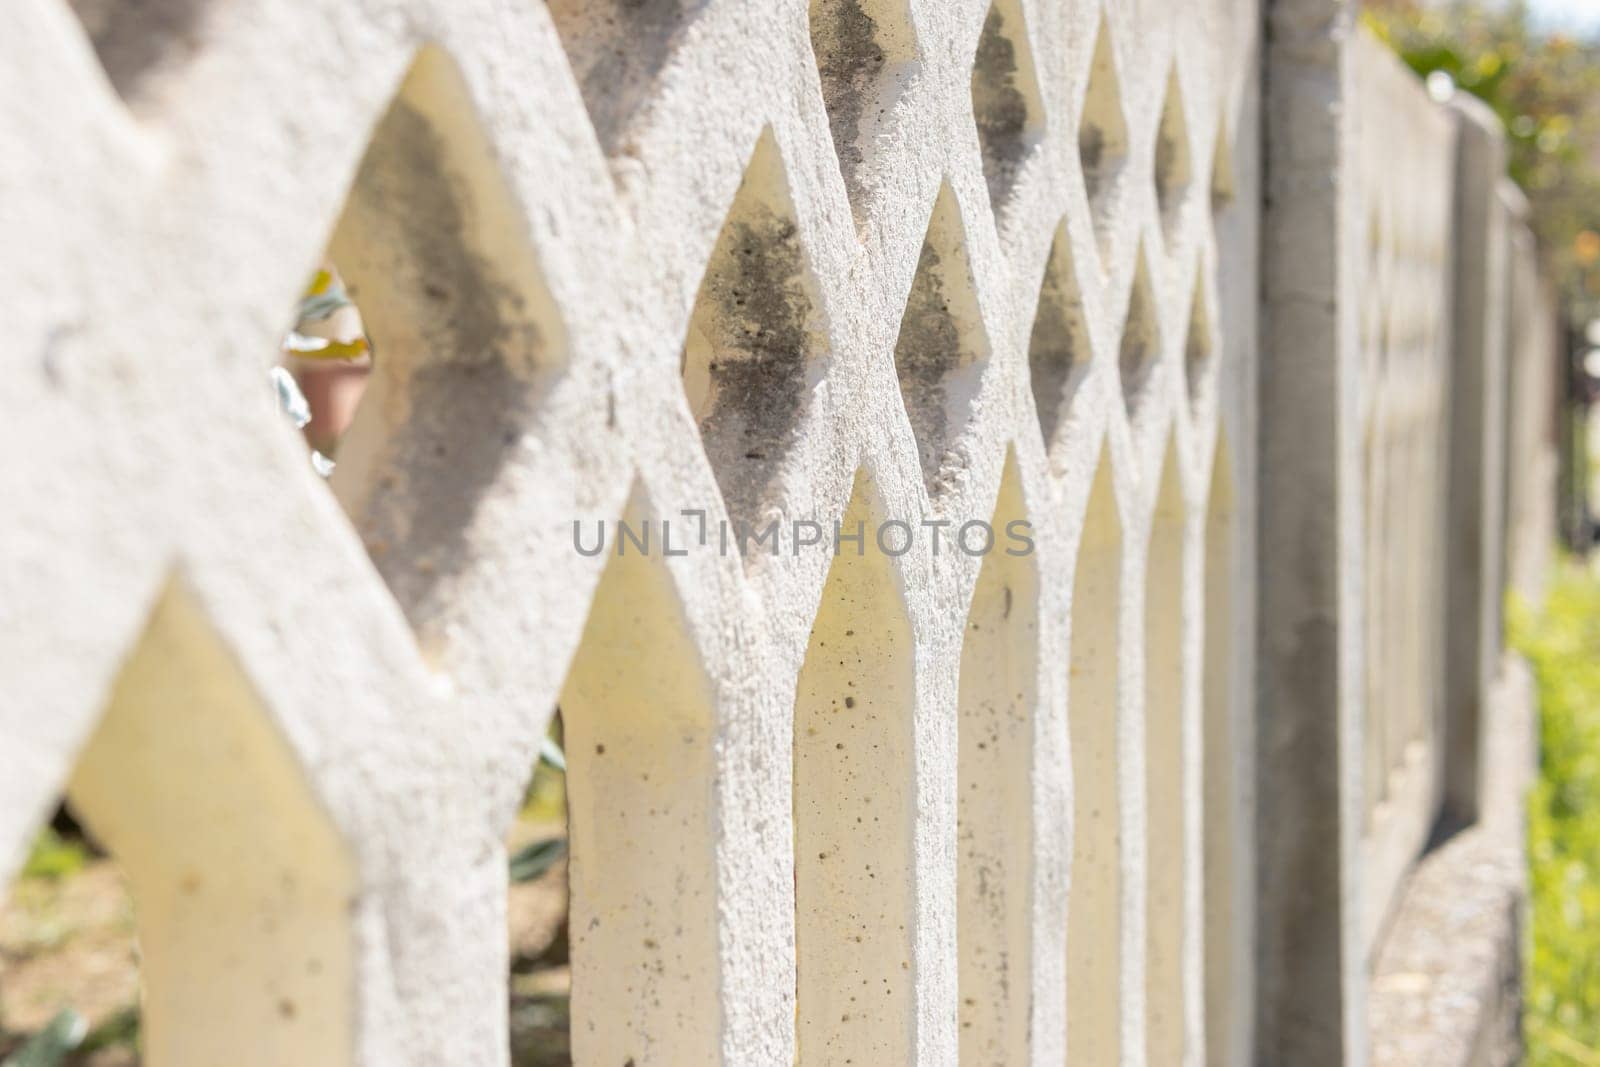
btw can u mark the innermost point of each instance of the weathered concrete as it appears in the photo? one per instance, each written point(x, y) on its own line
point(1474, 551)
point(1308, 977)
point(1144, 796)
point(539, 207)
point(1533, 382)
point(1403, 292)
point(1445, 985)
point(1357, 298)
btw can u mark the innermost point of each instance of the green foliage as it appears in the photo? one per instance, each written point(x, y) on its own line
point(50, 1046)
point(1543, 88)
point(120, 1030)
point(1562, 1021)
point(544, 802)
point(54, 856)
point(546, 798)
point(532, 861)
point(67, 1040)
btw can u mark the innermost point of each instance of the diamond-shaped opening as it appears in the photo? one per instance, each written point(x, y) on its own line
point(618, 50)
point(1199, 346)
point(464, 336)
point(1005, 99)
point(1103, 134)
point(1223, 183)
point(142, 43)
point(1141, 336)
point(1174, 167)
point(1094, 911)
point(855, 810)
point(999, 709)
point(192, 887)
point(612, 910)
point(753, 352)
point(942, 347)
point(866, 52)
point(1058, 348)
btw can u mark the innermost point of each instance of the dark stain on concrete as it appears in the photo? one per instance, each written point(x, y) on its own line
point(1058, 348)
point(754, 316)
point(1000, 104)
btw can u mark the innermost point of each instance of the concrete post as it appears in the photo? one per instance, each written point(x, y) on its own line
point(1473, 557)
point(1308, 732)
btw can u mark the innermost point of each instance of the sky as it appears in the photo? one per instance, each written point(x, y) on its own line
point(1574, 16)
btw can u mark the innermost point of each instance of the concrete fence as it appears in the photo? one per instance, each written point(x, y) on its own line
point(1227, 334)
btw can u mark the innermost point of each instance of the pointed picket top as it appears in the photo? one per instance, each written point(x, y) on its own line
point(239, 875)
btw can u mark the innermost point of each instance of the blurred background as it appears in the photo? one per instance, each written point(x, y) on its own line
point(1537, 64)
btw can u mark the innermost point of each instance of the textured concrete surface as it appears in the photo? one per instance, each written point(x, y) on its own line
point(1145, 796)
point(1361, 407)
point(536, 206)
point(1445, 984)
point(1307, 721)
point(1406, 378)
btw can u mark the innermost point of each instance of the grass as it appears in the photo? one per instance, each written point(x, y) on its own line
point(1562, 1014)
point(54, 856)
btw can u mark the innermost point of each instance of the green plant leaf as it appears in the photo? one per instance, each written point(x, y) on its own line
point(532, 861)
point(319, 307)
point(119, 1030)
point(1562, 981)
point(54, 856)
point(50, 1046)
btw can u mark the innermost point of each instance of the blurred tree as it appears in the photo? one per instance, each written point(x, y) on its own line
point(1546, 89)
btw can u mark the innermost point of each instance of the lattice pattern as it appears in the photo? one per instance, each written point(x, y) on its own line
point(860, 258)
point(1405, 305)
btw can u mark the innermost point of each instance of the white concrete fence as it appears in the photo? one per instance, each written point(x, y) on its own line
point(1141, 796)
